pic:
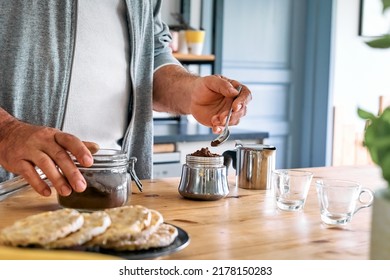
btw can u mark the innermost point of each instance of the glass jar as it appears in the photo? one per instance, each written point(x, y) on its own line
point(108, 182)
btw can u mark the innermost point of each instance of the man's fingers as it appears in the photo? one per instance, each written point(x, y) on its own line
point(69, 172)
point(33, 178)
point(92, 147)
point(222, 85)
point(75, 147)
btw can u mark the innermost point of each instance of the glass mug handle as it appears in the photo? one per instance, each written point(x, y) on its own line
point(364, 203)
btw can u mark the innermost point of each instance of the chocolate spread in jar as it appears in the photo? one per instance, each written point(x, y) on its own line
point(104, 190)
point(204, 152)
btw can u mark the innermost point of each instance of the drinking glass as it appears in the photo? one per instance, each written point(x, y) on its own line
point(291, 188)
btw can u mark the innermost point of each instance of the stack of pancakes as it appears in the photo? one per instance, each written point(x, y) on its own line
point(126, 228)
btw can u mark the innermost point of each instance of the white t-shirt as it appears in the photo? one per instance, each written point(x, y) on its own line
point(98, 96)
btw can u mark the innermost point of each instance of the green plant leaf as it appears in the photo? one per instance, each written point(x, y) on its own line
point(386, 4)
point(386, 114)
point(385, 165)
point(365, 115)
point(377, 139)
point(380, 43)
point(379, 143)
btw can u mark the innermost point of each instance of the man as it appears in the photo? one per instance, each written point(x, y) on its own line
point(93, 71)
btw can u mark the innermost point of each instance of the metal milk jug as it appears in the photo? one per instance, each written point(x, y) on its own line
point(253, 164)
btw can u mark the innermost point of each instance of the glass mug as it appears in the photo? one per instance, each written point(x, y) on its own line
point(339, 200)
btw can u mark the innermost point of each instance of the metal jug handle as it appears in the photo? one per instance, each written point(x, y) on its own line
point(133, 175)
point(229, 156)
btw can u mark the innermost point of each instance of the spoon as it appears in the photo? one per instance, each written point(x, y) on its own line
point(226, 132)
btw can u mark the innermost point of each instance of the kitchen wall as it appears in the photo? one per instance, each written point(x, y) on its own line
point(168, 7)
point(173, 6)
point(360, 73)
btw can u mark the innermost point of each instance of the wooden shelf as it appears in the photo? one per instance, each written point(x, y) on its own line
point(191, 58)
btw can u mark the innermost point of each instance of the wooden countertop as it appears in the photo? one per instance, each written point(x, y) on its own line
point(245, 224)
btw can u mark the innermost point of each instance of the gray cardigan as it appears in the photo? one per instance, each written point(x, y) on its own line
point(36, 51)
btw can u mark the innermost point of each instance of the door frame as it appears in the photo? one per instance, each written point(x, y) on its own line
point(317, 116)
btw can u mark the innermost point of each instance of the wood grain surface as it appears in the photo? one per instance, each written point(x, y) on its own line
point(245, 224)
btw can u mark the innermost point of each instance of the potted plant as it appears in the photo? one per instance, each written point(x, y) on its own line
point(377, 141)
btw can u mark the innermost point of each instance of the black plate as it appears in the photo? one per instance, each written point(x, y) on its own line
point(180, 242)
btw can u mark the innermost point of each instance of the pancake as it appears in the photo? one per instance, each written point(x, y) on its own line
point(95, 223)
point(42, 228)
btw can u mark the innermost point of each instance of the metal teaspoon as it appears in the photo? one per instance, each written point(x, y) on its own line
point(224, 135)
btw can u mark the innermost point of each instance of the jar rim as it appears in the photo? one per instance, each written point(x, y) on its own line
point(106, 158)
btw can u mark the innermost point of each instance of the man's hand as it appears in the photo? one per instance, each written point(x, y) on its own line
point(208, 99)
point(24, 147)
point(212, 97)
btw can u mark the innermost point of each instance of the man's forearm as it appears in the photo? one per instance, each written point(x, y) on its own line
point(172, 89)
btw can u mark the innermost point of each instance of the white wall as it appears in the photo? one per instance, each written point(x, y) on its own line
point(361, 73)
point(173, 6)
